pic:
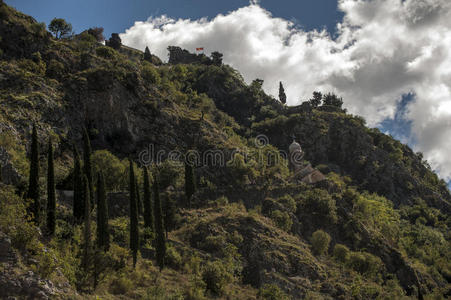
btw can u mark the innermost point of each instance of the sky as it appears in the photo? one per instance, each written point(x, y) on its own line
point(389, 59)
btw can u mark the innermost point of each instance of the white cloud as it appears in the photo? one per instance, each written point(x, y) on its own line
point(384, 49)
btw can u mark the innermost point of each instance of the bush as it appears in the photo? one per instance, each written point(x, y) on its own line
point(320, 203)
point(289, 203)
point(216, 277)
point(341, 253)
point(120, 285)
point(320, 242)
point(106, 52)
point(112, 168)
point(272, 292)
point(150, 74)
point(365, 263)
point(282, 219)
point(173, 258)
point(55, 69)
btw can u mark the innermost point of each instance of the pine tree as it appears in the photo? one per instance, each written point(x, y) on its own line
point(103, 234)
point(78, 203)
point(87, 243)
point(148, 211)
point(316, 100)
point(282, 96)
point(147, 55)
point(190, 183)
point(33, 186)
point(159, 229)
point(134, 234)
point(87, 166)
point(51, 196)
point(169, 213)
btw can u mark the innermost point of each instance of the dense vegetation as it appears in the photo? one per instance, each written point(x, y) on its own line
point(378, 227)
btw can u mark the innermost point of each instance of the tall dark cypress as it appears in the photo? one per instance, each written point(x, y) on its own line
point(169, 209)
point(138, 199)
point(159, 228)
point(134, 234)
point(190, 183)
point(87, 243)
point(148, 211)
point(51, 195)
point(282, 95)
point(147, 55)
point(87, 166)
point(103, 234)
point(78, 203)
point(33, 185)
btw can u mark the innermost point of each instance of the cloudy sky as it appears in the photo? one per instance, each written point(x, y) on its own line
point(389, 59)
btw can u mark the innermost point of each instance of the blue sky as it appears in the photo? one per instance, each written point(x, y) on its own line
point(117, 15)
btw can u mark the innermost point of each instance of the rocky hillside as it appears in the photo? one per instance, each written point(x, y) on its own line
point(377, 227)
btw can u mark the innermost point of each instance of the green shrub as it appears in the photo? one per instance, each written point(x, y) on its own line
point(365, 263)
point(173, 258)
point(341, 253)
point(320, 242)
point(216, 277)
point(319, 202)
point(112, 168)
point(282, 219)
point(271, 292)
point(106, 52)
point(55, 69)
point(150, 74)
point(120, 285)
point(288, 202)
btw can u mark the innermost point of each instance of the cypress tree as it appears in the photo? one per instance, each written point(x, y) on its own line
point(147, 55)
point(169, 213)
point(282, 96)
point(148, 211)
point(87, 246)
point(1, 175)
point(138, 199)
point(134, 234)
point(51, 197)
point(87, 166)
point(190, 183)
point(33, 185)
point(159, 229)
point(103, 234)
point(78, 204)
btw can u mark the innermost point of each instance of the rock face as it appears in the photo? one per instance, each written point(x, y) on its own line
point(9, 174)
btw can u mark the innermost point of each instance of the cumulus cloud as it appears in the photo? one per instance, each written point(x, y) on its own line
point(384, 49)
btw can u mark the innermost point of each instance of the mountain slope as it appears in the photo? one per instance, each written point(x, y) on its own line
point(249, 231)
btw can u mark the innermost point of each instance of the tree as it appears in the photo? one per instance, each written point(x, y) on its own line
point(320, 242)
point(190, 183)
point(87, 243)
point(60, 28)
point(97, 32)
point(138, 199)
point(114, 42)
point(159, 229)
point(87, 166)
point(148, 211)
point(316, 100)
point(78, 204)
point(147, 55)
point(134, 234)
point(217, 58)
point(332, 100)
point(282, 96)
point(33, 185)
point(103, 234)
point(51, 196)
point(169, 213)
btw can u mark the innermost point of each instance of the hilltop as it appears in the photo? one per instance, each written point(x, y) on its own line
point(376, 227)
